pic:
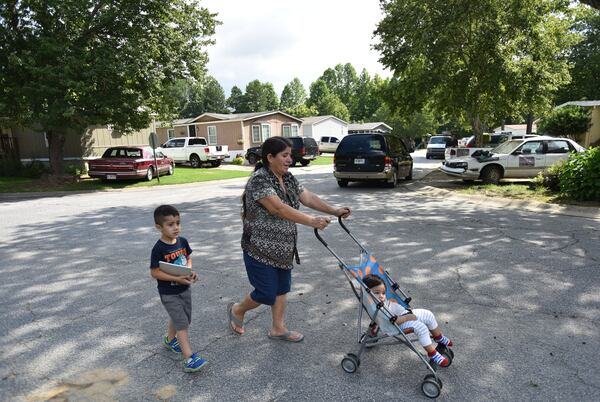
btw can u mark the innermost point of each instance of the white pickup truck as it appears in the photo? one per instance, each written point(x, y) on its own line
point(194, 150)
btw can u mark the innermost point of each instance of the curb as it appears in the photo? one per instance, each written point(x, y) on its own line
point(533, 206)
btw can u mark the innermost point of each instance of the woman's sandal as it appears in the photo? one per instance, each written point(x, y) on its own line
point(288, 336)
point(234, 322)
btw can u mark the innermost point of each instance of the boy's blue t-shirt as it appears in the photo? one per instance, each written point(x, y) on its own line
point(175, 254)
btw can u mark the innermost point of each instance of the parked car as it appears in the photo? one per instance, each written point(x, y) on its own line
point(130, 163)
point(328, 144)
point(436, 147)
point(195, 150)
point(304, 150)
point(512, 159)
point(372, 156)
point(469, 144)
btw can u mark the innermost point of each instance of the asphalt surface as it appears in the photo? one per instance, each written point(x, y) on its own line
point(80, 318)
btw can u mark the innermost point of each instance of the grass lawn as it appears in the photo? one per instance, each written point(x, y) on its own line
point(323, 160)
point(522, 192)
point(182, 175)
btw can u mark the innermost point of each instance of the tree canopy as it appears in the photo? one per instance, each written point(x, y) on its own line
point(259, 97)
point(71, 64)
point(293, 95)
point(476, 61)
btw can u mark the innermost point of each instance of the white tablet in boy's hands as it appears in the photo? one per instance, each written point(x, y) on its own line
point(174, 269)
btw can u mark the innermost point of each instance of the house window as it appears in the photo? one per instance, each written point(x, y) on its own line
point(170, 133)
point(286, 130)
point(266, 131)
point(256, 133)
point(294, 130)
point(212, 135)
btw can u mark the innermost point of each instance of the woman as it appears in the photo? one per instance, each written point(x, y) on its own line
point(270, 212)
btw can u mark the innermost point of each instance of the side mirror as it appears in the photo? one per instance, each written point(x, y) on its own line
point(526, 151)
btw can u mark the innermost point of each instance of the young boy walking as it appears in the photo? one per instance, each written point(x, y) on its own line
point(175, 293)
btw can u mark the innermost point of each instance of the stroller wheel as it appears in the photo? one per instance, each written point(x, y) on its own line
point(350, 363)
point(431, 386)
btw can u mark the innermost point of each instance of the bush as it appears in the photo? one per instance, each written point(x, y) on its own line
point(74, 169)
point(34, 170)
point(10, 167)
point(549, 178)
point(238, 160)
point(568, 121)
point(579, 176)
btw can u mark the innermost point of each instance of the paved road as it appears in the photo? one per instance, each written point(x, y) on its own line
point(79, 316)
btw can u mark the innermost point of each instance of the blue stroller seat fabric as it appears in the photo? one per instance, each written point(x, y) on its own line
point(382, 328)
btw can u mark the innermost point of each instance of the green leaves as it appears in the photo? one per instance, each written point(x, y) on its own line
point(569, 121)
point(579, 176)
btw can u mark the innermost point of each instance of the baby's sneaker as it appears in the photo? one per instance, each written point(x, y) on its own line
point(173, 346)
point(194, 363)
point(437, 358)
point(444, 341)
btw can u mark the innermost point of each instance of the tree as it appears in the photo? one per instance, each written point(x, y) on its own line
point(213, 96)
point(318, 91)
point(473, 60)
point(234, 102)
point(592, 3)
point(342, 81)
point(568, 121)
point(65, 65)
point(259, 97)
point(585, 59)
point(293, 95)
point(367, 98)
point(303, 111)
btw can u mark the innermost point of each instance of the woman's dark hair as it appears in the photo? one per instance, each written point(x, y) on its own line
point(273, 146)
point(371, 281)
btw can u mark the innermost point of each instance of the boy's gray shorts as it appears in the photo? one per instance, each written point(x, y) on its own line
point(179, 308)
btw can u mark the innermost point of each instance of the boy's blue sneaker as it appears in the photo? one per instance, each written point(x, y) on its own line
point(194, 363)
point(173, 346)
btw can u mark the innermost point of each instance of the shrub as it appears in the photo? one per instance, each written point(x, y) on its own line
point(238, 160)
point(568, 121)
point(34, 170)
point(549, 178)
point(579, 176)
point(10, 167)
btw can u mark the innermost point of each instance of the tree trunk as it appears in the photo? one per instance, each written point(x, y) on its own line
point(529, 123)
point(477, 131)
point(56, 142)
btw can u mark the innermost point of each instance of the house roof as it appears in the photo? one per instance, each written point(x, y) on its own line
point(368, 126)
point(591, 103)
point(319, 119)
point(242, 116)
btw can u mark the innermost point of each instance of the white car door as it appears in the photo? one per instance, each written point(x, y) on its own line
point(527, 160)
point(175, 149)
point(557, 150)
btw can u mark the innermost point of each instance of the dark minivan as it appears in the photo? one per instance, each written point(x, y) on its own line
point(304, 150)
point(368, 156)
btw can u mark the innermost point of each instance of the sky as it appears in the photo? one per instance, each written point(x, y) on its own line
point(275, 41)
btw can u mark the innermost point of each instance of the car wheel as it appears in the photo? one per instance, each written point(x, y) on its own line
point(393, 181)
point(342, 183)
point(427, 156)
point(304, 163)
point(171, 169)
point(251, 159)
point(491, 174)
point(215, 163)
point(149, 174)
point(195, 161)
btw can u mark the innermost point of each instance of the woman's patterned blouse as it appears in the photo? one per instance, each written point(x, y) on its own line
point(268, 238)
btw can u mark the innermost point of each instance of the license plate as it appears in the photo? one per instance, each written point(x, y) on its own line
point(111, 177)
point(359, 161)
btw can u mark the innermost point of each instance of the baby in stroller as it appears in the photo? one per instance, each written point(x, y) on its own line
point(421, 321)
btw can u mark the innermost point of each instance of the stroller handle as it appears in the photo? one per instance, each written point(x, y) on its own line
point(341, 222)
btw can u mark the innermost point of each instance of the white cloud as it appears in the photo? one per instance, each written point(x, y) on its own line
point(275, 41)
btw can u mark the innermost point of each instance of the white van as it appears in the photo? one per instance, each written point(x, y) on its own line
point(328, 144)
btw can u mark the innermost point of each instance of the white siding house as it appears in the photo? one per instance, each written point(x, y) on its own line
point(324, 126)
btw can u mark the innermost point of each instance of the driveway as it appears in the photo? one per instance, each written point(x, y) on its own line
point(517, 292)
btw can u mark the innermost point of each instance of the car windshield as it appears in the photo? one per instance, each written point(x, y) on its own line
point(507, 147)
point(439, 140)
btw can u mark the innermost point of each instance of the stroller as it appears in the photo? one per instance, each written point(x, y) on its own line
point(382, 328)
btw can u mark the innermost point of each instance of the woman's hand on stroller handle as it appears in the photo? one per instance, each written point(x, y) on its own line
point(343, 212)
point(320, 222)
